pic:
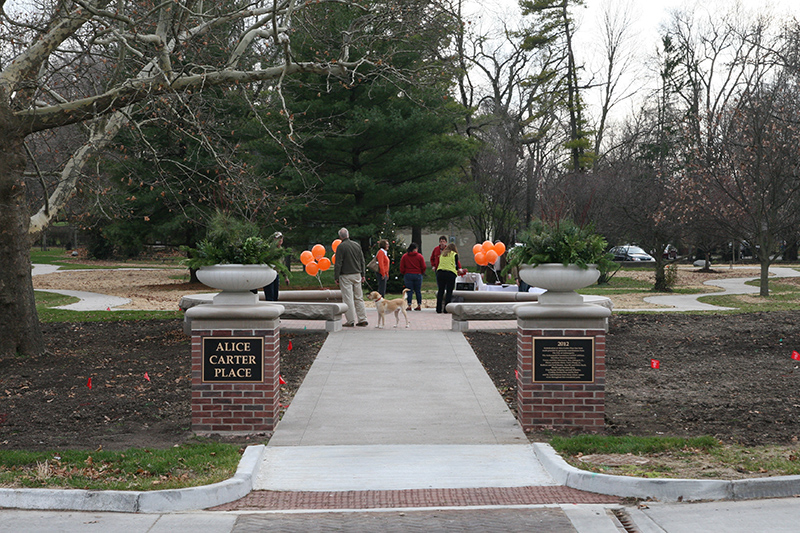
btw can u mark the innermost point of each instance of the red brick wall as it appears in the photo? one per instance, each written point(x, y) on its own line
point(576, 407)
point(236, 407)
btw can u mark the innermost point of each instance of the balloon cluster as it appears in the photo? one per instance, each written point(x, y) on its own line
point(488, 253)
point(314, 260)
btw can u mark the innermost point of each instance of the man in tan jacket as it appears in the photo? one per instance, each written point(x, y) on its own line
point(349, 274)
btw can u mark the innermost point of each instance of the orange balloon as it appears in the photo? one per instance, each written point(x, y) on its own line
point(333, 260)
point(491, 257)
point(500, 248)
point(312, 268)
point(480, 258)
point(335, 244)
point(477, 248)
point(306, 257)
point(318, 250)
point(487, 245)
point(324, 263)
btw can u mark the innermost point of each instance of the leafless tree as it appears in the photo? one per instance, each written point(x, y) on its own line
point(95, 62)
point(616, 80)
point(758, 171)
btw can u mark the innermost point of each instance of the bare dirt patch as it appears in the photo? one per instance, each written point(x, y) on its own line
point(46, 402)
point(150, 289)
point(728, 376)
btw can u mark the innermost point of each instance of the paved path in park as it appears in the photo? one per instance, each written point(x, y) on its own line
point(88, 301)
point(402, 430)
point(396, 410)
point(729, 286)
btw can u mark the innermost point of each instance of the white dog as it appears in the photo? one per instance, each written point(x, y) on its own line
point(386, 307)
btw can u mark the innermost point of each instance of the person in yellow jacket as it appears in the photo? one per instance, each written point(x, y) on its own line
point(446, 274)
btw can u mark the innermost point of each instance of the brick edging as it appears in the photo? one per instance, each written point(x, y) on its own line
point(389, 499)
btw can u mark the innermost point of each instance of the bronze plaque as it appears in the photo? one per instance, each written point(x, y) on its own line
point(233, 359)
point(563, 359)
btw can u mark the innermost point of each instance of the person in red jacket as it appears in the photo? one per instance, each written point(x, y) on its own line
point(438, 252)
point(412, 267)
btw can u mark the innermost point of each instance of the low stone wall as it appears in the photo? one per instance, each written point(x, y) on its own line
point(494, 296)
point(330, 312)
point(463, 312)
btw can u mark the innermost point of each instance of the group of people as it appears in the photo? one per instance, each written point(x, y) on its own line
point(443, 260)
point(349, 274)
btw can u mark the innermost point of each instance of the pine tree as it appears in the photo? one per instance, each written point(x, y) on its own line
point(355, 149)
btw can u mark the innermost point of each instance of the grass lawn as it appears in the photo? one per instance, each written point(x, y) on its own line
point(134, 469)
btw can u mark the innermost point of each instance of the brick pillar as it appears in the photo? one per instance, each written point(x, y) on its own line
point(561, 367)
point(235, 391)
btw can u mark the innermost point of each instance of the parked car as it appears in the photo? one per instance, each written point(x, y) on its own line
point(630, 253)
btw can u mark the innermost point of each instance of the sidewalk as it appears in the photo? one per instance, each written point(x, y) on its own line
point(690, 302)
point(397, 410)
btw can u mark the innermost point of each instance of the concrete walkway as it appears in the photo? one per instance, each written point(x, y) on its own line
point(88, 301)
point(729, 286)
point(391, 410)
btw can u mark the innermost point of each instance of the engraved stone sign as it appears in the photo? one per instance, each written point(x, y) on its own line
point(233, 359)
point(563, 359)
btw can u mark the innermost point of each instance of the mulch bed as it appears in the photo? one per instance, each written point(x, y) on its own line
point(730, 376)
point(46, 401)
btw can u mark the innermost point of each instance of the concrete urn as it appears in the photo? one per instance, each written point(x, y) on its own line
point(236, 281)
point(560, 281)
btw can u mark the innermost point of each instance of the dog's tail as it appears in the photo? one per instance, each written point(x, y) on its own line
point(405, 291)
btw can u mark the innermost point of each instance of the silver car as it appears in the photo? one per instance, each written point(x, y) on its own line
point(630, 253)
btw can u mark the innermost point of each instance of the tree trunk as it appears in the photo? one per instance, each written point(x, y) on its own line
point(661, 284)
point(22, 333)
point(763, 285)
point(790, 252)
point(416, 236)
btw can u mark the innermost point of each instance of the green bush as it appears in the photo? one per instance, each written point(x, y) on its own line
point(235, 241)
point(560, 242)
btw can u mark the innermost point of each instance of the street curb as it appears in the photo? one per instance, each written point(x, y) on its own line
point(661, 489)
point(193, 498)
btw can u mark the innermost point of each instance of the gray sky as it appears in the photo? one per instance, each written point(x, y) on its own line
point(646, 17)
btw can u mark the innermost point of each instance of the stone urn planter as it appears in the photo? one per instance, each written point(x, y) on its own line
point(236, 282)
point(559, 281)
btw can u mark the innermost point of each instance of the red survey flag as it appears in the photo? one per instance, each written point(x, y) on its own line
point(516, 373)
point(89, 383)
point(796, 355)
point(146, 376)
point(655, 363)
point(281, 380)
point(290, 346)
